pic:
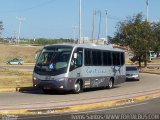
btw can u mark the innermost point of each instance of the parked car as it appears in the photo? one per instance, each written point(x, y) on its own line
point(15, 61)
point(132, 73)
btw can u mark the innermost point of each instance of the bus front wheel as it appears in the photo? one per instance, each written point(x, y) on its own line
point(77, 87)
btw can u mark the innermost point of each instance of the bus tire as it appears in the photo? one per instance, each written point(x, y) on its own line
point(78, 87)
point(110, 83)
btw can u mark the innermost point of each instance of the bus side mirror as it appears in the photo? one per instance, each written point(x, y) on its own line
point(75, 55)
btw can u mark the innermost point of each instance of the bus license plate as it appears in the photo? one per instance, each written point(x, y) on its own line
point(48, 88)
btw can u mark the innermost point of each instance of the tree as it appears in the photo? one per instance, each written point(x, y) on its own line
point(44, 41)
point(137, 34)
point(156, 37)
point(1, 29)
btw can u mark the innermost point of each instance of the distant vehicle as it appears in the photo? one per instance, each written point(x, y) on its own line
point(152, 55)
point(76, 67)
point(132, 73)
point(15, 61)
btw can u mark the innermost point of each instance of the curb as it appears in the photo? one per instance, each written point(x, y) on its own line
point(151, 73)
point(81, 107)
point(21, 89)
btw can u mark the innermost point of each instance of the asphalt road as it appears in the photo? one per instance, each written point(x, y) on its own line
point(145, 110)
point(37, 99)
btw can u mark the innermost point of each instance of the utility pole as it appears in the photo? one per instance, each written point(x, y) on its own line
point(80, 21)
point(20, 19)
point(99, 26)
point(93, 26)
point(99, 30)
point(147, 3)
point(145, 62)
point(106, 26)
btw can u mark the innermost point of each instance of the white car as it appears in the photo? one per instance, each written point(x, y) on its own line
point(16, 61)
point(132, 73)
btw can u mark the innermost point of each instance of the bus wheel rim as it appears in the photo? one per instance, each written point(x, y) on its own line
point(110, 84)
point(77, 87)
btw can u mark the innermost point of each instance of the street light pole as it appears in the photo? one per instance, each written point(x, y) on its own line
point(19, 28)
point(147, 2)
point(93, 26)
point(80, 20)
point(99, 30)
point(106, 26)
point(145, 62)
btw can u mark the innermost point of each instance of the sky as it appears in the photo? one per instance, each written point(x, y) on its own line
point(58, 18)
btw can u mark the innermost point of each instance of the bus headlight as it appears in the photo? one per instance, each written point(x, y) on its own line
point(34, 78)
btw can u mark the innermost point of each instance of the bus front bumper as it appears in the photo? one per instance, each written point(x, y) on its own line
point(52, 84)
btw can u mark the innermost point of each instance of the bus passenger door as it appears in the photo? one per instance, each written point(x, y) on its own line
point(76, 63)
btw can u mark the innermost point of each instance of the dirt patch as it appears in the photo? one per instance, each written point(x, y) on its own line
point(8, 52)
point(15, 78)
point(151, 70)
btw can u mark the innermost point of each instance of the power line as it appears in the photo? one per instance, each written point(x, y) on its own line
point(112, 17)
point(37, 6)
point(31, 8)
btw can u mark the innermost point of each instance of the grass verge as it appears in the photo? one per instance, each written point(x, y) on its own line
point(11, 78)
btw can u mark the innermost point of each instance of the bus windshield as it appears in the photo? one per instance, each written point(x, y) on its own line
point(53, 61)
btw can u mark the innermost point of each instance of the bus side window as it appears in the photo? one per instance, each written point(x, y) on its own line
point(77, 59)
point(122, 59)
point(87, 57)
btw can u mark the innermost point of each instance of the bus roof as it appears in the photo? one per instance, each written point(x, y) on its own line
point(92, 46)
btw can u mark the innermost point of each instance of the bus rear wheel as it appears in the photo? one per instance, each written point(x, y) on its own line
point(110, 84)
point(78, 87)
